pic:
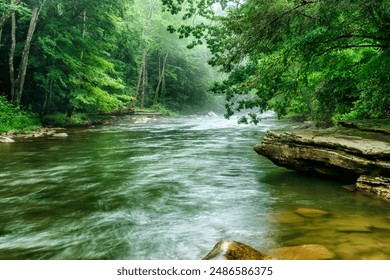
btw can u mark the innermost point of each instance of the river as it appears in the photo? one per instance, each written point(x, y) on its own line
point(170, 189)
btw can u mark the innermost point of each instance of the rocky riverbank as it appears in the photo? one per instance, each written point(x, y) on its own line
point(141, 117)
point(12, 136)
point(358, 154)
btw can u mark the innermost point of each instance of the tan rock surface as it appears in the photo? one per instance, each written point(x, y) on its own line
point(303, 252)
point(233, 250)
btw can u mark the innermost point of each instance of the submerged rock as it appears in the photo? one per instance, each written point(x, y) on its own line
point(303, 252)
point(233, 250)
point(350, 188)
point(288, 218)
point(311, 213)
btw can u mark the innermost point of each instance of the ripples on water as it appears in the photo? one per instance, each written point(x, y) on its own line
point(170, 189)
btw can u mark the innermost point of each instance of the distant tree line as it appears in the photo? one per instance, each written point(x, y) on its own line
point(96, 56)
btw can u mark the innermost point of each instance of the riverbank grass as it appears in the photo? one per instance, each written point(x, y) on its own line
point(15, 119)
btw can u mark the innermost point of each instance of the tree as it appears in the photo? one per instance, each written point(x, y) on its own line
point(17, 84)
point(76, 41)
point(6, 10)
point(166, 64)
point(294, 46)
point(88, 58)
point(143, 72)
point(162, 64)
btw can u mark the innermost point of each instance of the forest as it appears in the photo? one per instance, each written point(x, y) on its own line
point(63, 59)
point(319, 60)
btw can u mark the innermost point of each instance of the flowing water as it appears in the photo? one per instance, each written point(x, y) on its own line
point(170, 189)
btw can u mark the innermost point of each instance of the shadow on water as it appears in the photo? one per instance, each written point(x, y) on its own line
point(170, 189)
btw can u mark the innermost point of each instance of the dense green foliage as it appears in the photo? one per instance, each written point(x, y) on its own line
point(88, 56)
point(326, 60)
point(11, 118)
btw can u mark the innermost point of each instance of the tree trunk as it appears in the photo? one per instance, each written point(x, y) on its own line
point(19, 83)
point(161, 79)
point(7, 15)
point(163, 88)
point(142, 77)
point(11, 57)
point(83, 32)
point(46, 103)
point(144, 84)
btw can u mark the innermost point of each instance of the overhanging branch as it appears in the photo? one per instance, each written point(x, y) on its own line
point(352, 47)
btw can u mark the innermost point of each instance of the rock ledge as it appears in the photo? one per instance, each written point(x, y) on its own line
point(346, 153)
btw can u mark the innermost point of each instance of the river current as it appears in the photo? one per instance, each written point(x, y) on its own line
point(170, 189)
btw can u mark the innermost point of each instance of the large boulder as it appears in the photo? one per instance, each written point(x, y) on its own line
point(233, 250)
point(342, 152)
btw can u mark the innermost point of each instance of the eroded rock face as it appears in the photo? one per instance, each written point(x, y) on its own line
point(233, 250)
point(379, 186)
point(342, 152)
point(339, 152)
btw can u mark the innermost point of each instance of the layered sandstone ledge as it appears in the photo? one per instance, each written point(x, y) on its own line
point(346, 152)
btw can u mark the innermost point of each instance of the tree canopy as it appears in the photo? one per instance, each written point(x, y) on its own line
point(87, 56)
point(321, 59)
point(324, 60)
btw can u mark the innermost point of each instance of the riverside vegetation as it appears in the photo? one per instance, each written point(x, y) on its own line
point(321, 60)
point(65, 60)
